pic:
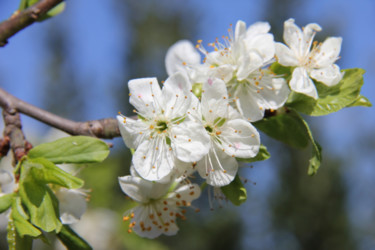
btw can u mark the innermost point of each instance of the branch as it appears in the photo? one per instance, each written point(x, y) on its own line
point(25, 18)
point(13, 131)
point(103, 128)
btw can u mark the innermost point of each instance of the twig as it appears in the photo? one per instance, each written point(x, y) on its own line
point(13, 130)
point(103, 128)
point(19, 21)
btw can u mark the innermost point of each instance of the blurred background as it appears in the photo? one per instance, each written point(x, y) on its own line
point(77, 65)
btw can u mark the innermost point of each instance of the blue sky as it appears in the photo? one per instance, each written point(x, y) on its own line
point(95, 36)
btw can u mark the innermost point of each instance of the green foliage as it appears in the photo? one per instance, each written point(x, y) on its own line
point(262, 155)
point(72, 240)
point(292, 129)
point(40, 202)
point(331, 99)
point(44, 171)
point(235, 191)
point(5, 202)
point(20, 220)
point(35, 207)
point(73, 149)
point(286, 127)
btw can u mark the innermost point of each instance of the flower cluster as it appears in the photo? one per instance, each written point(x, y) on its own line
point(201, 119)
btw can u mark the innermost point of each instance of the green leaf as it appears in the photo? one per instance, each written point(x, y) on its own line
point(20, 220)
point(15, 241)
point(73, 149)
point(361, 101)
point(72, 240)
point(54, 11)
point(281, 70)
point(45, 171)
point(42, 205)
point(6, 202)
point(292, 129)
point(286, 127)
point(331, 99)
point(316, 157)
point(262, 155)
point(235, 191)
point(37, 197)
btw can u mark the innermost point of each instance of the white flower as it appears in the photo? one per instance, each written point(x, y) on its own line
point(317, 63)
point(158, 206)
point(7, 178)
point(231, 136)
point(164, 131)
point(72, 204)
point(240, 62)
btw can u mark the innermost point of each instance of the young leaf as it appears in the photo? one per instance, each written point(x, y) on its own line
point(235, 191)
point(286, 127)
point(53, 12)
point(331, 99)
point(73, 149)
point(361, 101)
point(45, 171)
point(316, 157)
point(72, 240)
point(15, 241)
point(38, 198)
point(262, 155)
point(20, 220)
point(42, 205)
point(6, 201)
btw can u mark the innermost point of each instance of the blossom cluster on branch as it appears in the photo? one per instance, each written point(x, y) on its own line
point(206, 116)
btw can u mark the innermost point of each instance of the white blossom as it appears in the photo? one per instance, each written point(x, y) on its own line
point(316, 62)
point(240, 61)
point(158, 205)
point(72, 204)
point(163, 131)
point(231, 136)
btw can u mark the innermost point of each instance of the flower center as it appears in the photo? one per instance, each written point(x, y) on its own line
point(161, 126)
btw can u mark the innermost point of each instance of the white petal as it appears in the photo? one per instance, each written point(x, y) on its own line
point(329, 75)
point(224, 72)
point(180, 55)
point(144, 226)
point(72, 205)
point(240, 30)
point(247, 105)
point(185, 193)
point(133, 132)
point(328, 52)
point(257, 28)
point(302, 83)
point(240, 139)
point(310, 30)
point(264, 44)
point(214, 99)
point(293, 37)
point(286, 56)
point(249, 63)
point(190, 141)
point(176, 95)
point(142, 190)
point(273, 92)
point(308, 37)
point(218, 168)
point(145, 95)
point(214, 88)
point(153, 159)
